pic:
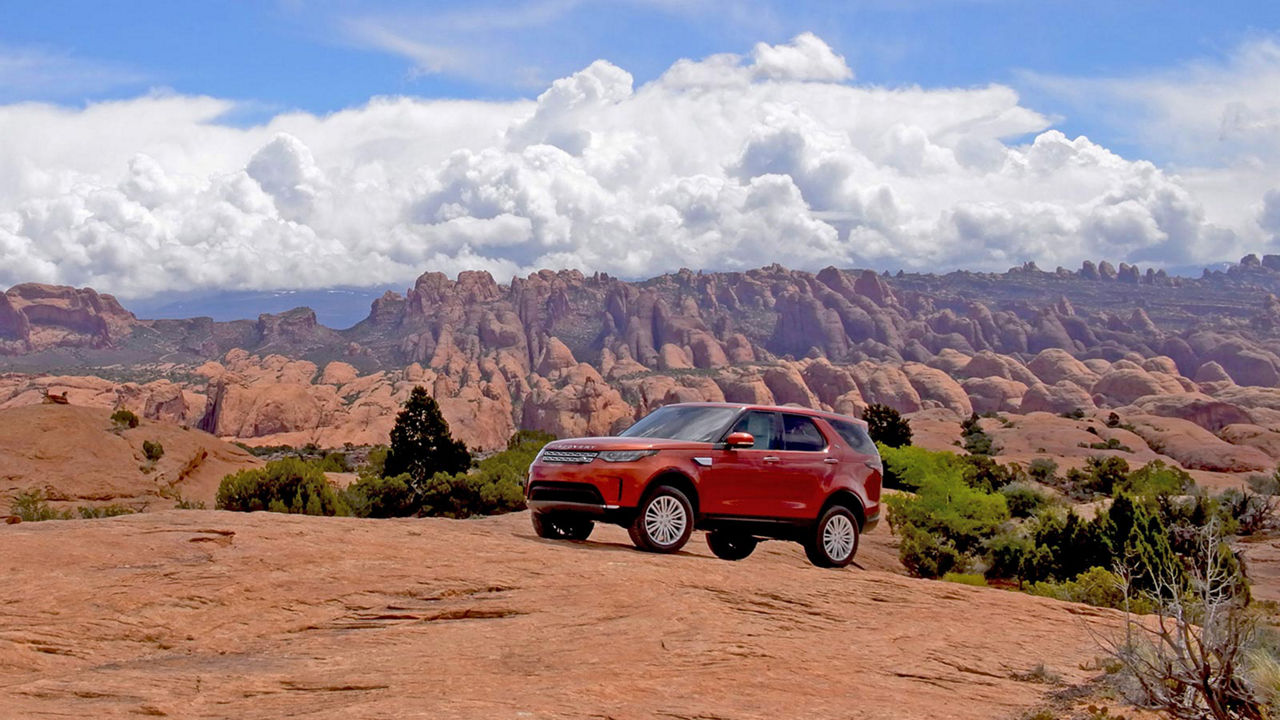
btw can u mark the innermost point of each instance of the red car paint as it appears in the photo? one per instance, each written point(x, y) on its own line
point(801, 463)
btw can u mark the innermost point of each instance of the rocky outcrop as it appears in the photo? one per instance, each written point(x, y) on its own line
point(36, 317)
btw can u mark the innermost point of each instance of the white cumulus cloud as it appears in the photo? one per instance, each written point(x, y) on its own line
point(729, 162)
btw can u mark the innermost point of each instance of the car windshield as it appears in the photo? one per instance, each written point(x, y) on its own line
point(692, 423)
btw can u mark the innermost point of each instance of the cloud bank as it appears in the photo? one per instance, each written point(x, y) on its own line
point(729, 162)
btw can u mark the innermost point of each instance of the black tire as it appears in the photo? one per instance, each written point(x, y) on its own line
point(663, 522)
point(561, 527)
point(833, 541)
point(728, 545)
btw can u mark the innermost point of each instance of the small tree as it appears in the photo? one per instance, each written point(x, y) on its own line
point(124, 418)
point(886, 425)
point(421, 444)
point(153, 450)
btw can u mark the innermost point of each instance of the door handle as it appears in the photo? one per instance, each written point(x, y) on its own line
point(830, 461)
point(769, 458)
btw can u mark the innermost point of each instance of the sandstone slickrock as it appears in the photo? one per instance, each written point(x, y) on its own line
point(77, 455)
point(204, 614)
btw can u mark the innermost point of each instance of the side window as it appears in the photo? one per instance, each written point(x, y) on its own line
point(761, 427)
point(799, 433)
point(855, 435)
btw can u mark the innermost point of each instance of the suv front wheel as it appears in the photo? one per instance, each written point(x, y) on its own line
point(833, 542)
point(663, 522)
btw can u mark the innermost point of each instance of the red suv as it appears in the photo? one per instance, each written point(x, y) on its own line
point(742, 472)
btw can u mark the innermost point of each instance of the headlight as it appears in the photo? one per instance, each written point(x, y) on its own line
point(625, 455)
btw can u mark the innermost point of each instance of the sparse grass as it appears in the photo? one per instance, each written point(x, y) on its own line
point(89, 512)
point(973, 579)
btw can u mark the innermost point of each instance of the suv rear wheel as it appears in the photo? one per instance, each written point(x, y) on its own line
point(833, 542)
point(561, 527)
point(729, 545)
point(664, 521)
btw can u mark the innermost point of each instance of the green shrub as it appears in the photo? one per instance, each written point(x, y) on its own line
point(375, 463)
point(908, 467)
point(945, 523)
point(976, 440)
point(929, 555)
point(1156, 478)
point(124, 418)
point(1095, 586)
point(886, 426)
point(153, 450)
point(379, 497)
point(496, 485)
point(1265, 484)
point(288, 486)
point(188, 504)
point(1109, 444)
point(965, 579)
point(1246, 513)
point(90, 512)
point(32, 506)
point(983, 473)
point(1043, 470)
point(1024, 500)
point(334, 462)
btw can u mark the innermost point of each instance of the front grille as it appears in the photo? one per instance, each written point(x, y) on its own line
point(566, 492)
point(578, 457)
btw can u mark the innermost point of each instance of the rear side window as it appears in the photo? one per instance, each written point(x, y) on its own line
point(762, 428)
point(855, 435)
point(800, 433)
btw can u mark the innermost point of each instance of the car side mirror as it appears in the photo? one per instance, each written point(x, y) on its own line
point(739, 440)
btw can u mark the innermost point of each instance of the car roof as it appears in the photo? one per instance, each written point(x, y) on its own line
point(797, 409)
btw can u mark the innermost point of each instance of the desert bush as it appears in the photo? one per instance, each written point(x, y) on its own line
point(333, 461)
point(930, 555)
point(152, 450)
point(184, 503)
point(1156, 478)
point(287, 486)
point(976, 441)
point(886, 426)
point(1024, 500)
point(375, 463)
point(944, 524)
point(1246, 513)
point(381, 497)
point(92, 512)
point(496, 485)
point(908, 467)
point(124, 418)
point(1095, 586)
point(1043, 470)
point(1265, 484)
point(1194, 660)
point(1108, 444)
point(32, 506)
point(983, 473)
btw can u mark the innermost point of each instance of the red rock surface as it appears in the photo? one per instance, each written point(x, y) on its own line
point(78, 456)
point(214, 615)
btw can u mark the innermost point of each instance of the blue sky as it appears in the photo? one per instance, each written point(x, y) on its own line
point(324, 56)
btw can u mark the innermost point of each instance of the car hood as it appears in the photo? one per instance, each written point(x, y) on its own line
point(624, 443)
